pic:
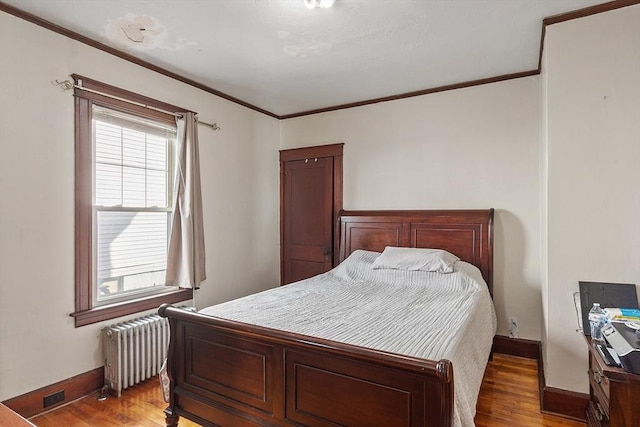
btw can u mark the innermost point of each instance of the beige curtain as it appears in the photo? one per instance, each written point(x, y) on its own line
point(186, 259)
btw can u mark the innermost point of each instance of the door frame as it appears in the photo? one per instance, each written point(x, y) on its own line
point(319, 151)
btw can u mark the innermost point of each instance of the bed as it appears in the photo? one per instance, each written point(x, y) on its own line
point(228, 369)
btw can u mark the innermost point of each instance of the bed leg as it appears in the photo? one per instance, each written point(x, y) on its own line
point(170, 418)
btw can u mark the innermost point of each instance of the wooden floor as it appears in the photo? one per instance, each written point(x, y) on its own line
point(509, 397)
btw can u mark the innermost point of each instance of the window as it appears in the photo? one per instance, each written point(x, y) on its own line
point(131, 202)
point(124, 176)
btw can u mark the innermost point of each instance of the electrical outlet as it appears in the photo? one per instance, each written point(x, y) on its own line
point(513, 327)
point(53, 398)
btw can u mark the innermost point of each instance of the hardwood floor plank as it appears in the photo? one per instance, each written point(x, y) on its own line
point(62, 417)
point(140, 406)
point(508, 397)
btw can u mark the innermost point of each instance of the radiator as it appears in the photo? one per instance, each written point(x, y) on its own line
point(134, 351)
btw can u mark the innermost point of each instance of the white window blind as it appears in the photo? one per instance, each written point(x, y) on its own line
point(132, 203)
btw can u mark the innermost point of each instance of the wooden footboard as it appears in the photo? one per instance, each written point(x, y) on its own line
point(226, 373)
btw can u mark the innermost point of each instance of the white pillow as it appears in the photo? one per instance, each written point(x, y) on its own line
point(416, 259)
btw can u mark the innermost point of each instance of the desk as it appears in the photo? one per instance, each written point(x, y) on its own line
point(614, 394)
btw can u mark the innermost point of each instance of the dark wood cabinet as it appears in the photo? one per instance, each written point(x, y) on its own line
point(614, 394)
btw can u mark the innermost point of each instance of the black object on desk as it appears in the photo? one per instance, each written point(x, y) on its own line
point(621, 295)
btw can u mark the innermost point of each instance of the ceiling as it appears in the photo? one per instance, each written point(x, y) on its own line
point(281, 57)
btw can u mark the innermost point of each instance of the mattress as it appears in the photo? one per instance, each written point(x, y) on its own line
point(422, 314)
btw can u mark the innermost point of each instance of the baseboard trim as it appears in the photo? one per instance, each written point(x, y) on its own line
point(32, 403)
point(517, 347)
point(556, 401)
point(568, 404)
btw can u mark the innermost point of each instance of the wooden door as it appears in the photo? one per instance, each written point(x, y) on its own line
point(311, 198)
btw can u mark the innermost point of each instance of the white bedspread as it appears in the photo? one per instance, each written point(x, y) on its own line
point(422, 314)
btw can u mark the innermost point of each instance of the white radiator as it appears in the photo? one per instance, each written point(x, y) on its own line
point(134, 351)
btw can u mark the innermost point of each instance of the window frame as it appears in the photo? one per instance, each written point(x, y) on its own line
point(85, 311)
point(98, 209)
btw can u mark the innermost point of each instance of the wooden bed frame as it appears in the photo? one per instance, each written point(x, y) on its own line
point(225, 373)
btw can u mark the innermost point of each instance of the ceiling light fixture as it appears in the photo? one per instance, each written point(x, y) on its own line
point(322, 4)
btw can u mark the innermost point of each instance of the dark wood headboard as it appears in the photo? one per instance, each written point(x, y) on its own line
point(465, 233)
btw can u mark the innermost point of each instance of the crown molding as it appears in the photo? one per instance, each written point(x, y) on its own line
point(576, 14)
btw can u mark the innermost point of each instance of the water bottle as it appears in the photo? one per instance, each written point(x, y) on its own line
point(597, 319)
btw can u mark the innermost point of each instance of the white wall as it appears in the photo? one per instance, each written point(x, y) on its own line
point(469, 148)
point(39, 343)
point(591, 92)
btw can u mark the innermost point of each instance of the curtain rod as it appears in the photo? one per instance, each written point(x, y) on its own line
point(67, 85)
